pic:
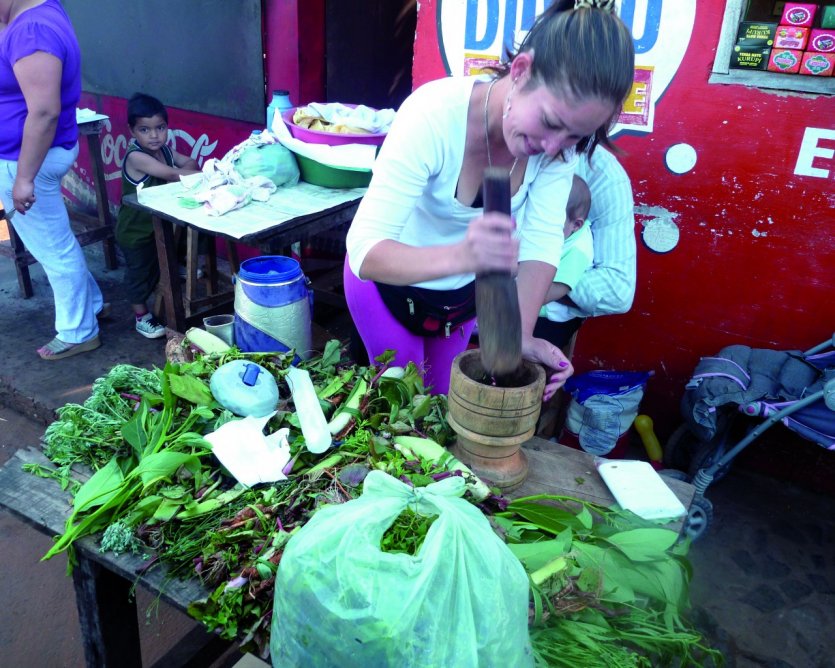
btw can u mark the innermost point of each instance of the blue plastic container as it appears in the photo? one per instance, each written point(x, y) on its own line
point(273, 306)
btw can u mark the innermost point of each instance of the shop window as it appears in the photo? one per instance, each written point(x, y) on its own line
point(767, 12)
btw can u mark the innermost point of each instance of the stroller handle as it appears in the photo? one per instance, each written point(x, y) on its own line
point(821, 347)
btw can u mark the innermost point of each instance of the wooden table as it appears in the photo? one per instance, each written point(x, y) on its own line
point(102, 581)
point(89, 229)
point(291, 215)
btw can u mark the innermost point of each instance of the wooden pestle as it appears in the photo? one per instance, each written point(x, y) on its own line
point(496, 299)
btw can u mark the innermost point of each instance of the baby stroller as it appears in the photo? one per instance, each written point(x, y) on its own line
point(792, 387)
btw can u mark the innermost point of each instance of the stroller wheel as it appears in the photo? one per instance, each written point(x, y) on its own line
point(699, 517)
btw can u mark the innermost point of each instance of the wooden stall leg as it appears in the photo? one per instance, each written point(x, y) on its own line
point(21, 257)
point(211, 267)
point(169, 278)
point(192, 254)
point(102, 203)
point(232, 254)
point(107, 612)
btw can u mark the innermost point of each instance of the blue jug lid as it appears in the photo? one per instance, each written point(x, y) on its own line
point(266, 269)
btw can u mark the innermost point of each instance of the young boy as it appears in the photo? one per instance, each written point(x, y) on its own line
point(150, 161)
point(578, 250)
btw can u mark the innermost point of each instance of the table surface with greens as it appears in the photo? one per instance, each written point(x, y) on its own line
point(606, 588)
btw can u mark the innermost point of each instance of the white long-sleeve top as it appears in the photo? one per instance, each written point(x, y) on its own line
point(608, 286)
point(411, 198)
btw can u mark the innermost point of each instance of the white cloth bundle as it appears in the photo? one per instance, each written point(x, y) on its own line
point(373, 120)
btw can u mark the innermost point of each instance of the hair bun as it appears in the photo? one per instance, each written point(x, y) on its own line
point(605, 5)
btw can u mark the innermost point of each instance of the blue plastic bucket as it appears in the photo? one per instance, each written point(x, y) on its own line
point(273, 305)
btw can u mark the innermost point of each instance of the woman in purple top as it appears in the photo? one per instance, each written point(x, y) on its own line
point(40, 84)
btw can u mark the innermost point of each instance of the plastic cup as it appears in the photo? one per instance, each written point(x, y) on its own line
point(222, 326)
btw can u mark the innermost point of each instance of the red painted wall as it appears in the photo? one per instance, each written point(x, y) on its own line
point(755, 263)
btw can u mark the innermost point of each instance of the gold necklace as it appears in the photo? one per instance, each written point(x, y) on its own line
point(487, 129)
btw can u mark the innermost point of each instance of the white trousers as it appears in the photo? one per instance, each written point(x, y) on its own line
point(45, 229)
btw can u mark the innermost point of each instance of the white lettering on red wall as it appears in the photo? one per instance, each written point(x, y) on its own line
point(815, 158)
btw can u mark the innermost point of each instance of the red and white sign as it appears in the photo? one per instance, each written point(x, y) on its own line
point(476, 33)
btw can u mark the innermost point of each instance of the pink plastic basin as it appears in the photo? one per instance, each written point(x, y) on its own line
point(329, 138)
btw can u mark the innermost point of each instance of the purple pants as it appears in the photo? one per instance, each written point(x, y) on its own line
point(380, 331)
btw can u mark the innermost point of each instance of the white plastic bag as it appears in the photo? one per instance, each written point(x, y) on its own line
point(461, 601)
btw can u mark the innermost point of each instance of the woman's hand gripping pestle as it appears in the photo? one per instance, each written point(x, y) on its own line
point(497, 302)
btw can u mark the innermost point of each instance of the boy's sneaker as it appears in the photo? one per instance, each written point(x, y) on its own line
point(148, 327)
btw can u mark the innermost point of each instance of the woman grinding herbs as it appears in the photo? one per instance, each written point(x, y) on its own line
point(420, 234)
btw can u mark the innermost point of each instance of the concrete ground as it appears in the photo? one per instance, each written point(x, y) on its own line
point(764, 575)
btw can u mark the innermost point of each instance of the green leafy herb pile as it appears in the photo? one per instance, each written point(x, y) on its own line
point(607, 589)
point(155, 483)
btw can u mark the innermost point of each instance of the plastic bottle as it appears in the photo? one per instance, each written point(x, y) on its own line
point(644, 427)
point(279, 103)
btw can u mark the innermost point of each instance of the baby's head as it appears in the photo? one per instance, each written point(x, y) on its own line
point(577, 209)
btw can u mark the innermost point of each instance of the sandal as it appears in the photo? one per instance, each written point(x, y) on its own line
point(58, 350)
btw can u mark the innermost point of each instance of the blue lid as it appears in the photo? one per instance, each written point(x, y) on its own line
point(266, 269)
point(612, 383)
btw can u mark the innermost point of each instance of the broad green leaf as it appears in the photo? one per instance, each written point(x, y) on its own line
point(133, 430)
point(606, 571)
point(585, 518)
point(626, 581)
point(157, 427)
point(173, 492)
point(673, 581)
point(166, 510)
point(331, 354)
point(168, 399)
point(644, 544)
point(400, 427)
point(147, 503)
point(103, 485)
point(161, 465)
point(142, 510)
point(535, 555)
point(504, 522)
point(152, 398)
point(191, 389)
point(421, 405)
point(548, 518)
point(335, 385)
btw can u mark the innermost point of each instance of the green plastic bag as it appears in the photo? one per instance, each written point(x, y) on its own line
point(274, 161)
point(461, 601)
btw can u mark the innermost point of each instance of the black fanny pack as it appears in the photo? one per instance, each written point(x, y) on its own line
point(429, 312)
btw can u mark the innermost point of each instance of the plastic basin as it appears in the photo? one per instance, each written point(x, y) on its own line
point(331, 177)
point(329, 138)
